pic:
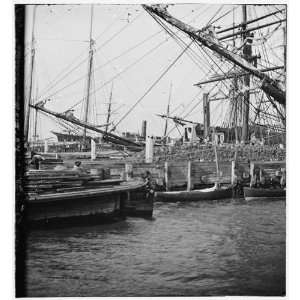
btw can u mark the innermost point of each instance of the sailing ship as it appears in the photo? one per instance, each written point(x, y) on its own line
point(244, 78)
point(248, 80)
point(70, 122)
point(254, 87)
point(76, 196)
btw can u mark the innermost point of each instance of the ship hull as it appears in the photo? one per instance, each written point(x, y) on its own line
point(251, 194)
point(91, 206)
point(195, 195)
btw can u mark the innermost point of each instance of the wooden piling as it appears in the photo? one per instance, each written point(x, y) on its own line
point(189, 177)
point(233, 172)
point(128, 171)
point(93, 149)
point(166, 169)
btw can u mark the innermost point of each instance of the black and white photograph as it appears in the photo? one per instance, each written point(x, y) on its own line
point(150, 149)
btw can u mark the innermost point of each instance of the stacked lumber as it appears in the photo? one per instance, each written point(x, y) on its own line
point(52, 181)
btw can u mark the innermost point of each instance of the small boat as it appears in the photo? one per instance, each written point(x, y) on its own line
point(264, 193)
point(213, 193)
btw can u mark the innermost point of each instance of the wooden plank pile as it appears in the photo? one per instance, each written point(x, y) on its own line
point(52, 181)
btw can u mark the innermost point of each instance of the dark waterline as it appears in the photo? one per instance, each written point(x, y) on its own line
point(194, 249)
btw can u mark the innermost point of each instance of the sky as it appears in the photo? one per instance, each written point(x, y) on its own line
point(131, 52)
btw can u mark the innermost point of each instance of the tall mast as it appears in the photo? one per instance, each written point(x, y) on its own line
point(234, 89)
point(35, 122)
point(274, 89)
point(284, 43)
point(29, 101)
point(247, 54)
point(90, 66)
point(109, 108)
point(168, 112)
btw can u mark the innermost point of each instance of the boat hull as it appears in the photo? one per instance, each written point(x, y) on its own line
point(261, 194)
point(90, 206)
point(196, 195)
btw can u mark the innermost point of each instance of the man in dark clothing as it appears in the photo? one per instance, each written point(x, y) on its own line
point(36, 160)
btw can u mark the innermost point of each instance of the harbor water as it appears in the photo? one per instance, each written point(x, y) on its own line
point(187, 249)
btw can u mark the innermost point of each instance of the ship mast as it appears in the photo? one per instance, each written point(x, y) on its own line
point(247, 54)
point(109, 108)
point(269, 86)
point(35, 122)
point(235, 99)
point(168, 113)
point(29, 101)
point(90, 66)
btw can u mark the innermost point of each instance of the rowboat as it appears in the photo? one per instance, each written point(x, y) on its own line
point(264, 193)
point(195, 195)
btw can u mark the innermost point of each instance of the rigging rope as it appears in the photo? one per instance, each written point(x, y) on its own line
point(57, 79)
point(124, 70)
point(210, 20)
point(152, 86)
point(193, 55)
point(225, 14)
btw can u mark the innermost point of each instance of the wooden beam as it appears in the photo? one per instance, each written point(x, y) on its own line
point(268, 85)
point(189, 176)
point(233, 75)
point(250, 29)
point(251, 21)
point(166, 171)
point(112, 137)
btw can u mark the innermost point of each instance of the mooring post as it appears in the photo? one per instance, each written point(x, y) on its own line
point(189, 176)
point(233, 163)
point(128, 171)
point(166, 175)
point(45, 146)
point(149, 149)
point(251, 171)
point(93, 149)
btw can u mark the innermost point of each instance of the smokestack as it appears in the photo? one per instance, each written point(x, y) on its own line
point(144, 129)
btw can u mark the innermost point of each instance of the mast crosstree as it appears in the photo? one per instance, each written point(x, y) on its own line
point(271, 87)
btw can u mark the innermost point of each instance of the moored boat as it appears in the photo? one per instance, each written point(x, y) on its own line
point(264, 193)
point(195, 195)
point(91, 205)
